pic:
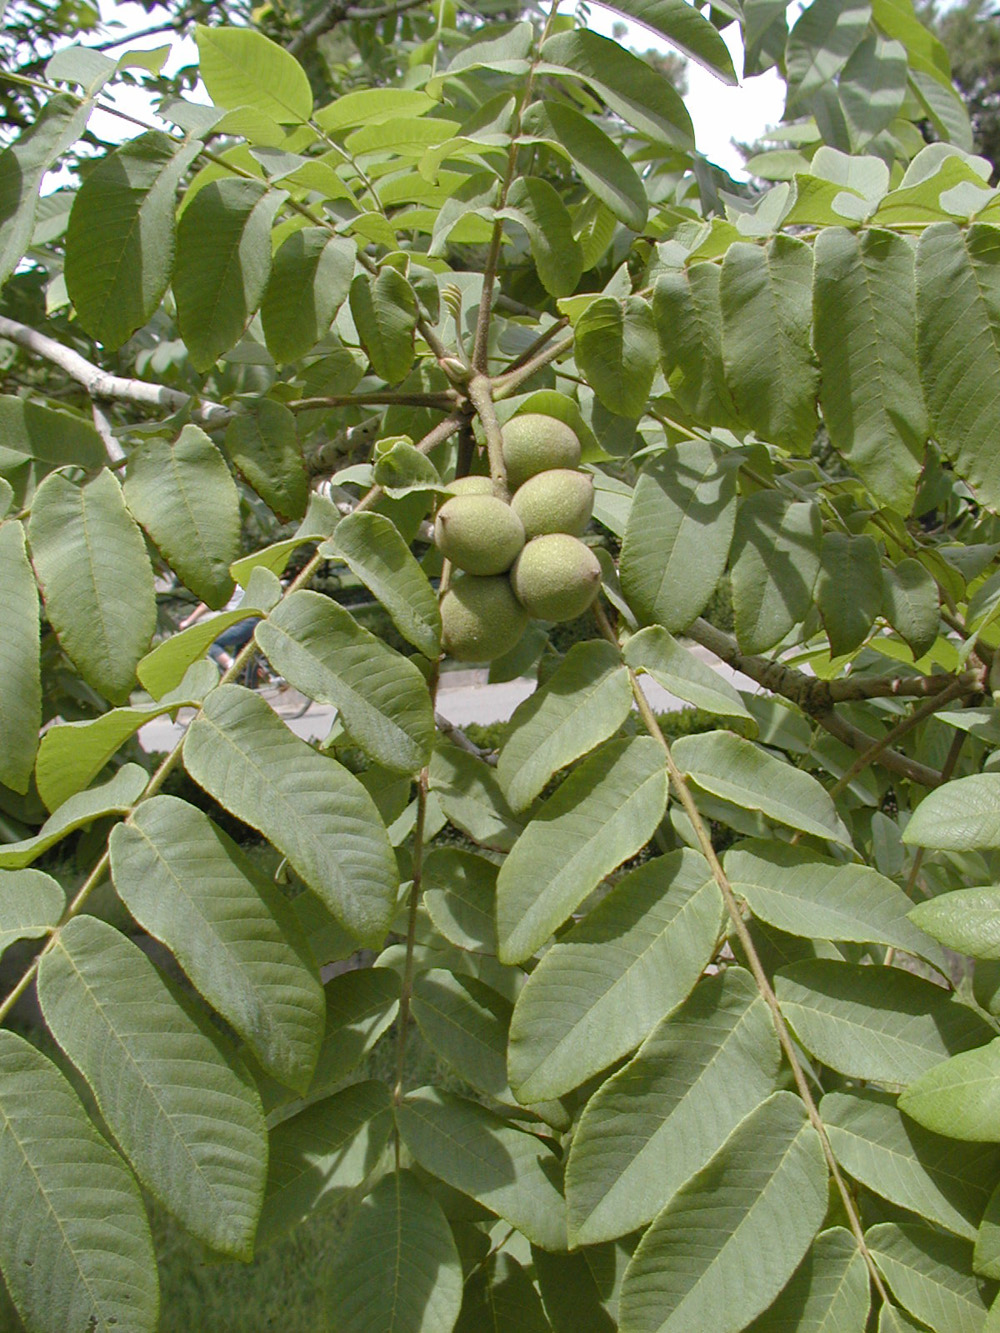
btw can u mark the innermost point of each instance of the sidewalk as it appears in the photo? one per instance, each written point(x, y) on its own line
point(463, 697)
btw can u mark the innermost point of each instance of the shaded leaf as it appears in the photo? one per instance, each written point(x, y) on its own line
point(189, 1123)
point(309, 806)
point(910, 604)
point(189, 885)
point(677, 539)
point(263, 446)
point(656, 1122)
point(775, 564)
point(828, 1292)
point(848, 589)
point(120, 238)
point(460, 897)
point(602, 814)
point(582, 703)
point(598, 991)
point(20, 666)
point(732, 1236)
point(616, 349)
point(687, 313)
point(876, 1023)
point(114, 797)
point(600, 163)
point(75, 1246)
point(929, 1274)
point(385, 312)
point(309, 282)
point(95, 576)
point(184, 497)
point(536, 206)
point(31, 904)
point(380, 696)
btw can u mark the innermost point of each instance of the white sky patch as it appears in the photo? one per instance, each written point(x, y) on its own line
point(719, 113)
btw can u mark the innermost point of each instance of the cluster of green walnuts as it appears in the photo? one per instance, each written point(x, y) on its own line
point(519, 560)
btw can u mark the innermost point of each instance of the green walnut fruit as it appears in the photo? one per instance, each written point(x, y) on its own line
point(471, 485)
point(555, 501)
point(480, 618)
point(479, 534)
point(535, 443)
point(556, 577)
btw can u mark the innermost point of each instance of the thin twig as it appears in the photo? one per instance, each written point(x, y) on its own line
point(481, 397)
point(505, 385)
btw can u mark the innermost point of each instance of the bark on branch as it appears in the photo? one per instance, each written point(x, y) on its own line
point(99, 384)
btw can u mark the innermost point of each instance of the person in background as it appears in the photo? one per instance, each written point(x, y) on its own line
point(228, 644)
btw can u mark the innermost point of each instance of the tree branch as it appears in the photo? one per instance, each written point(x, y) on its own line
point(336, 13)
point(99, 384)
point(508, 383)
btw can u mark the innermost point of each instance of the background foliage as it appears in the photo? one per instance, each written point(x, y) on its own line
point(596, 1022)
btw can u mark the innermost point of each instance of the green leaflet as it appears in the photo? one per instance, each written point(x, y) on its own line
point(803, 894)
point(656, 1122)
point(598, 991)
point(601, 164)
point(318, 1157)
point(966, 920)
point(310, 280)
point(460, 897)
point(933, 1176)
point(75, 1246)
point(31, 904)
point(631, 88)
point(584, 702)
point(930, 1275)
point(360, 1006)
point(876, 1023)
point(120, 239)
point(753, 779)
point(732, 1236)
point(35, 439)
point(958, 308)
point(864, 294)
point(616, 348)
point(189, 886)
point(910, 604)
point(872, 86)
point(775, 564)
point(71, 754)
point(505, 1169)
point(466, 1023)
point(848, 589)
point(685, 28)
point(603, 813)
point(503, 1294)
point(677, 538)
point(263, 446)
point(242, 67)
point(164, 668)
point(766, 302)
point(385, 312)
point(96, 579)
point(22, 166)
point(374, 550)
point(470, 797)
point(184, 497)
point(190, 1124)
point(961, 815)
point(380, 695)
point(312, 809)
point(687, 313)
point(959, 1097)
point(580, 1288)
point(114, 797)
point(20, 667)
point(534, 204)
point(657, 653)
point(819, 45)
point(398, 1267)
point(828, 1292)
point(223, 264)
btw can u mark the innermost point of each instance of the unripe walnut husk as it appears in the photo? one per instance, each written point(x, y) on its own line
point(556, 577)
point(535, 443)
point(558, 500)
point(473, 484)
point(478, 533)
point(481, 618)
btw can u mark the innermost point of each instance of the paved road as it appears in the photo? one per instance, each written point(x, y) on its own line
point(463, 696)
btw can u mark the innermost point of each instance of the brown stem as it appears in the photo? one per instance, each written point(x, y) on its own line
point(506, 384)
point(683, 791)
point(914, 719)
point(445, 400)
point(541, 341)
point(481, 396)
point(891, 759)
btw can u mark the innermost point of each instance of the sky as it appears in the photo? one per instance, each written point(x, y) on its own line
point(718, 111)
